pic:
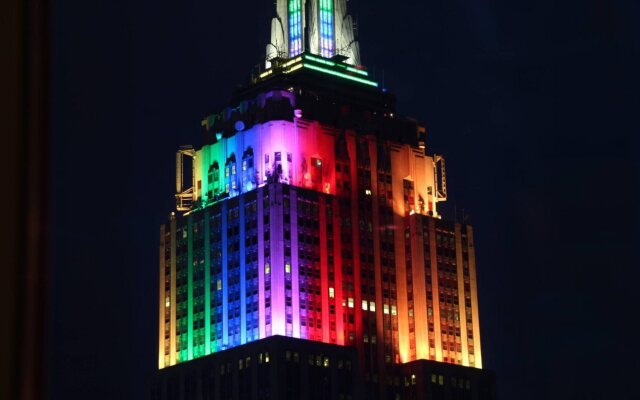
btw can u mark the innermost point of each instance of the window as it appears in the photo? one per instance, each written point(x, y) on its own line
point(267, 268)
point(364, 305)
point(372, 306)
point(331, 292)
point(350, 302)
point(287, 267)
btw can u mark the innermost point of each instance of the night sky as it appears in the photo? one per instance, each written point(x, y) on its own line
point(534, 104)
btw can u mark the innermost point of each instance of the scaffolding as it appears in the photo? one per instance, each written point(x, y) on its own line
point(440, 177)
point(185, 197)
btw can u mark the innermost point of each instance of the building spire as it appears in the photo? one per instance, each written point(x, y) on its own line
point(320, 27)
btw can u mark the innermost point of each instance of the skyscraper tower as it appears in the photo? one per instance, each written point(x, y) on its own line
point(311, 213)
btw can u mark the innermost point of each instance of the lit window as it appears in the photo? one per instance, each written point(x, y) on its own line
point(394, 310)
point(364, 305)
point(350, 302)
point(267, 268)
point(287, 267)
point(233, 169)
point(167, 302)
point(385, 309)
point(367, 192)
point(326, 362)
point(219, 284)
point(372, 306)
point(266, 357)
point(244, 165)
point(331, 292)
point(226, 171)
point(413, 379)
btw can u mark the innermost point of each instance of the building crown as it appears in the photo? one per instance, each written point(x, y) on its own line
point(320, 27)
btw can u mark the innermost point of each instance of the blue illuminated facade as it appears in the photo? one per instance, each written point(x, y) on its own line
point(326, 28)
point(295, 27)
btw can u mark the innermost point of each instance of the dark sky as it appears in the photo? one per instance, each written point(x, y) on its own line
point(534, 104)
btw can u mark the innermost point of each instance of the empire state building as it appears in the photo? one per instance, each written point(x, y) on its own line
point(306, 257)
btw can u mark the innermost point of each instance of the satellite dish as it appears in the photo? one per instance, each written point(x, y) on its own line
point(239, 125)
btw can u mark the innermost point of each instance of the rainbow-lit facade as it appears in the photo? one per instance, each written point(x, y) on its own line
point(311, 212)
